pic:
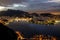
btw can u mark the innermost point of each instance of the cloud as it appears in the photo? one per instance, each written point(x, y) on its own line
point(18, 6)
point(31, 4)
point(2, 8)
point(56, 1)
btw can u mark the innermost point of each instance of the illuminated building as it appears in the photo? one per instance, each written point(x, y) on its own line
point(43, 37)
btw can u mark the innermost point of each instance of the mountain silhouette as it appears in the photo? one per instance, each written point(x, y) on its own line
point(7, 33)
point(46, 14)
point(11, 12)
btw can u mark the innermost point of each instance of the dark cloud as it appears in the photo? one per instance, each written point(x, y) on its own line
point(6, 2)
point(31, 4)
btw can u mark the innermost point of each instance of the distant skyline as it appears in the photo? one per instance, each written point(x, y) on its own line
point(27, 5)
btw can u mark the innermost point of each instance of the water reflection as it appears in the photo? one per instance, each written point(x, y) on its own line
point(29, 30)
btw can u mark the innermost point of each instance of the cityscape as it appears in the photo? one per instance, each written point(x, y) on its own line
point(42, 18)
point(29, 19)
point(33, 18)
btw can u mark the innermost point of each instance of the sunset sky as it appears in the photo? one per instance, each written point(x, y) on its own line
point(27, 5)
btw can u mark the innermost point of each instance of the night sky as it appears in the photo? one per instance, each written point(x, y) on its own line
point(27, 5)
